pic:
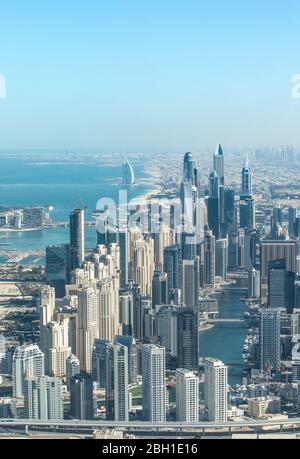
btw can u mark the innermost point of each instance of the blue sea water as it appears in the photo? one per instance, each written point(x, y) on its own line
point(62, 185)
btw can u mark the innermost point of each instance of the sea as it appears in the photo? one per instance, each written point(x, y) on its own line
point(62, 185)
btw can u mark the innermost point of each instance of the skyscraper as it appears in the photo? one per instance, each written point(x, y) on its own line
point(28, 361)
point(247, 180)
point(269, 340)
point(43, 398)
point(213, 204)
point(88, 323)
point(72, 368)
point(187, 339)
point(218, 163)
point(130, 343)
point(99, 362)
point(58, 267)
point(209, 258)
point(281, 286)
point(154, 383)
point(117, 369)
point(221, 258)
point(57, 348)
point(253, 283)
point(271, 250)
point(159, 288)
point(76, 238)
point(187, 396)
point(81, 389)
point(216, 389)
point(171, 266)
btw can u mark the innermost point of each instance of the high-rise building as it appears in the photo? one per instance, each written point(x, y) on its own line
point(76, 238)
point(247, 180)
point(43, 398)
point(47, 312)
point(171, 265)
point(154, 383)
point(281, 286)
point(99, 362)
point(81, 389)
point(221, 258)
point(28, 362)
point(166, 328)
point(72, 368)
point(189, 284)
point(159, 288)
point(126, 313)
point(88, 323)
point(218, 163)
point(216, 389)
point(130, 343)
point(57, 348)
point(58, 267)
point(108, 309)
point(253, 283)
point(292, 220)
point(209, 259)
point(117, 369)
point(213, 205)
point(271, 250)
point(141, 261)
point(187, 339)
point(187, 396)
point(269, 340)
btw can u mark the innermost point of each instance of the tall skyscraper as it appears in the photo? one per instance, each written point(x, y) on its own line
point(166, 328)
point(81, 389)
point(269, 340)
point(218, 163)
point(271, 250)
point(159, 288)
point(130, 343)
point(247, 180)
point(292, 220)
point(171, 265)
point(213, 204)
point(154, 383)
point(117, 369)
point(253, 283)
point(187, 339)
point(28, 362)
point(209, 258)
point(216, 389)
point(43, 398)
point(281, 286)
point(57, 348)
point(47, 312)
point(72, 368)
point(188, 283)
point(99, 362)
point(58, 267)
point(88, 323)
point(108, 309)
point(76, 238)
point(187, 396)
point(221, 258)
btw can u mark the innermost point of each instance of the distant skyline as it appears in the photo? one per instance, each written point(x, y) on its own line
point(159, 75)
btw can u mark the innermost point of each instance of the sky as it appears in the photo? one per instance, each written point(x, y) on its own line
point(148, 75)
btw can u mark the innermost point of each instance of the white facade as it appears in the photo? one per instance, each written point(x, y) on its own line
point(187, 396)
point(28, 361)
point(216, 390)
point(43, 398)
point(154, 383)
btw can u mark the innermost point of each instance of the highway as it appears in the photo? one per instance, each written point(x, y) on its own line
point(292, 423)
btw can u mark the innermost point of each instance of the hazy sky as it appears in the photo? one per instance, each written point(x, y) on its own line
point(149, 74)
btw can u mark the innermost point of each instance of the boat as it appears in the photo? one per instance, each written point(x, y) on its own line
point(5, 243)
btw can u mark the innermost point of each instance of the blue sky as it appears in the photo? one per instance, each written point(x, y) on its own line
point(149, 75)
